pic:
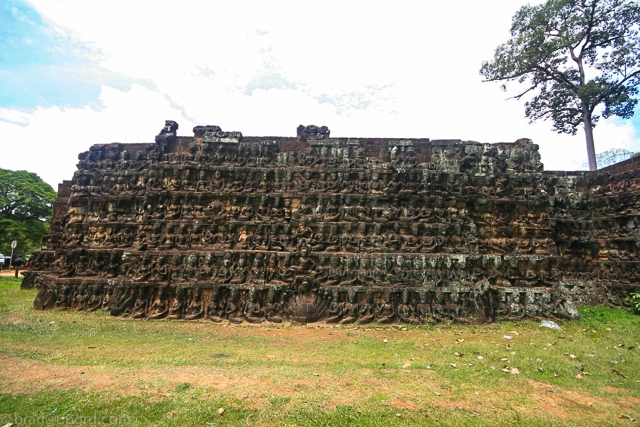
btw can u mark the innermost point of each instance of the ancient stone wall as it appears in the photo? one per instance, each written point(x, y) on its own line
point(341, 230)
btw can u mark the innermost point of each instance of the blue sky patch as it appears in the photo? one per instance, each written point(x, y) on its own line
point(40, 67)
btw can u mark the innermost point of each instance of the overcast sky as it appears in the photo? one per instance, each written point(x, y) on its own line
point(74, 73)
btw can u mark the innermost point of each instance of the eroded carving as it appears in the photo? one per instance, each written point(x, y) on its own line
point(309, 229)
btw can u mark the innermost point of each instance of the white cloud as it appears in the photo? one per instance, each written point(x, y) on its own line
point(48, 141)
point(262, 68)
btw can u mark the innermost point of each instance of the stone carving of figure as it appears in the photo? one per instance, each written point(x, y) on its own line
point(385, 312)
point(273, 308)
point(312, 132)
point(424, 310)
point(122, 300)
point(113, 296)
point(46, 297)
point(253, 311)
point(306, 306)
point(305, 268)
point(207, 271)
point(516, 307)
point(177, 305)
point(332, 275)
point(94, 301)
point(257, 272)
point(195, 305)
point(225, 273)
point(335, 308)
point(140, 307)
point(79, 298)
point(407, 310)
point(379, 274)
point(350, 310)
point(273, 274)
point(213, 308)
point(162, 270)
point(159, 308)
point(349, 273)
point(438, 308)
point(168, 132)
point(233, 310)
point(241, 272)
point(367, 309)
point(64, 294)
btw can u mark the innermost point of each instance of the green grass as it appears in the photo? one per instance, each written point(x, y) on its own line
point(165, 373)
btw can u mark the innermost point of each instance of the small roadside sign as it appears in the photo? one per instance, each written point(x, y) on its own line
point(13, 246)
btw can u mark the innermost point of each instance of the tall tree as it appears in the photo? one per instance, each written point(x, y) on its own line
point(572, 56)
point(26, 204)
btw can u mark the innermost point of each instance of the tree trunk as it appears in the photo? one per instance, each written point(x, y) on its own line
point(588, 132)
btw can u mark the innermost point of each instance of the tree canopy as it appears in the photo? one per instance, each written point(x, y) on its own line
point(613, 156)
point(26, 204)
point(572, 56)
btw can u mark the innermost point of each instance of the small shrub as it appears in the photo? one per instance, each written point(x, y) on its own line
point(634, 299)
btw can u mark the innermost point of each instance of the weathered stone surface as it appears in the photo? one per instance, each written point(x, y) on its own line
point(220, 227)
point(168, 133)
point(312, 132)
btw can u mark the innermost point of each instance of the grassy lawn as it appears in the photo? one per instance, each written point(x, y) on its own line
point(67, 367)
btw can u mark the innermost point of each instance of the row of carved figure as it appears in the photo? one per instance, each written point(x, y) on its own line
point(266, 209)
point(218, 230)
point(203, 238)
point(620, 240)
point(368, 206)
point(305, 304)
point(261, 180)
point(472, 157)
point(264, 157)
point(390, 270)
point(221, 209)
